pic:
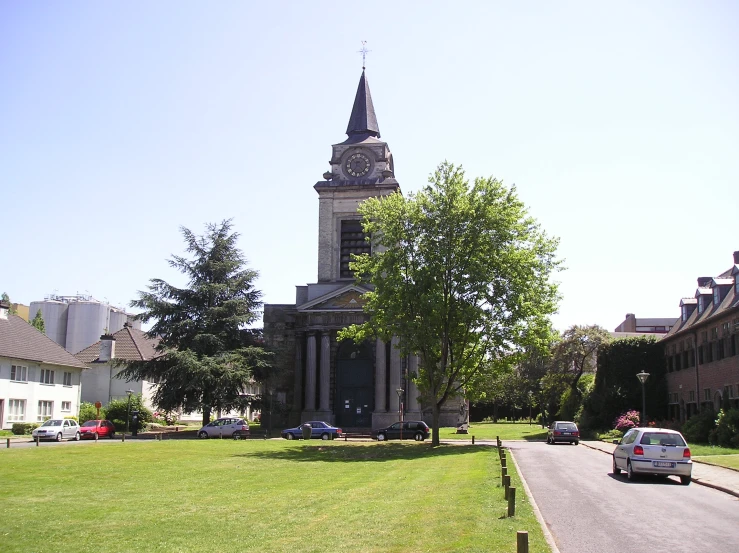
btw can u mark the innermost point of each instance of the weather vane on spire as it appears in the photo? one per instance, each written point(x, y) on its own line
point(364, 52)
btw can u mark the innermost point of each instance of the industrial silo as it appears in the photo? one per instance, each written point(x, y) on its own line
point(86, 321)
point(55, 318)
point(116, 320)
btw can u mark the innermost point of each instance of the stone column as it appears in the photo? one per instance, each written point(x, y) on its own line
point(380, 387)
point(310, 373)
point(394, 375)
point(298, 389)
point(412, 388)
point(325, 383)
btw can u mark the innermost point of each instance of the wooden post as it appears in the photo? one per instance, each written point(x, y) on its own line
point(96, 437)
point(503, 474)
point(123, 436)
point(507, 485)
point(511, 502)
point(8, 446)
point(522, 542)
point(473, 439)
point(37, 440)
point(503, 463)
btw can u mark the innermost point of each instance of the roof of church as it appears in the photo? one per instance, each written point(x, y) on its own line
point(363, 120)
point(131, 344)
point(20, 340)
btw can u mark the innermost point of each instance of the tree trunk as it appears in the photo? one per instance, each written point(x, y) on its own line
point(206, 415)
point(435, 424)
point(495, 412)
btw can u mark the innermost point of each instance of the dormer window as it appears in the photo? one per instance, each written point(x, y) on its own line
point(716, 295)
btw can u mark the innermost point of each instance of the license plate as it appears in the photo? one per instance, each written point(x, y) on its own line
point(663, 464)
point(566, 433)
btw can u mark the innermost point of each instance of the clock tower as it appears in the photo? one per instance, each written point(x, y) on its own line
point(361, 167)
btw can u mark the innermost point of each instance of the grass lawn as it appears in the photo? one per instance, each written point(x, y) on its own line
point(729, 461)
point(258, 495)
point(489, 430)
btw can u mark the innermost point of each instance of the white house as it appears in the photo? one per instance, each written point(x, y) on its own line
point(39, 379)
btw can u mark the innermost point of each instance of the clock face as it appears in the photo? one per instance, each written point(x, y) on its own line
point(357, 165)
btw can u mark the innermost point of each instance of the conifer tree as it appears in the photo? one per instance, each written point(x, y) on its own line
point(38, 322)
point(206, 352)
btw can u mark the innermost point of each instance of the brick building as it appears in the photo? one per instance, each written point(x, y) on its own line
point(702, 348)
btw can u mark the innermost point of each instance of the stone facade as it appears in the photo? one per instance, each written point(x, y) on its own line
point(353, 386)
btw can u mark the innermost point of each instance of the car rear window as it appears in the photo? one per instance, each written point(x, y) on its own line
point(90, 423)
point(566, 426)
point(662, 438)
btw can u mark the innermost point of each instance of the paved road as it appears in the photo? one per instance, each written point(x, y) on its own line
point(586, 508)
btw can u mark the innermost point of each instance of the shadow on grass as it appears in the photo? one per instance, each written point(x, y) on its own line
point(363, 453)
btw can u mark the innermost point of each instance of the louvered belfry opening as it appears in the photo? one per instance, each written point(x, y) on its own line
point(352, 242)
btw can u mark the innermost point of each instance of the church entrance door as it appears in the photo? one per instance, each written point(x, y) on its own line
point(355, 387)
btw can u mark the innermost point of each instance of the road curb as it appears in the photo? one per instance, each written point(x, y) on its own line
point(545, 529)
point(698, 481)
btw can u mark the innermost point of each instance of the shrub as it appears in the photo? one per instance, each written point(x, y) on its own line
point(88, 412)
point(627, 420)
point(698, 427)
point(117, 411)
point(727, 428)
point(24, 428)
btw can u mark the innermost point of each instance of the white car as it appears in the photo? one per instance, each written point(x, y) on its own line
point(658, 451)
point(227, 427)
point(58, 429)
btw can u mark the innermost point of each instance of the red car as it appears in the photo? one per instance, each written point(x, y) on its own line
point(97, 429)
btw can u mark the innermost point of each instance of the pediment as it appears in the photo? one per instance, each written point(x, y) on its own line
point(348, 298)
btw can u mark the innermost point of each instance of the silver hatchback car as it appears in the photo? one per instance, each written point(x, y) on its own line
point(658, 451)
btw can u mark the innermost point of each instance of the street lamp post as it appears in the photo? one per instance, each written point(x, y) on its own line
point(400, 391)
point(642, 376)
point(128, 408)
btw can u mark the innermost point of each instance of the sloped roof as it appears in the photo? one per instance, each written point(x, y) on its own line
point(363, 120)
point(130, 344)
point(20, 340)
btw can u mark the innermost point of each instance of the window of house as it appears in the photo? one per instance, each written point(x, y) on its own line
point(707, 394)
point(700, 355)
point(352, 242)
point(45, 410)
point(716, 295)
point(19, 373)
point(16, 410)
point(47, 376)
point(719, 350)
point(66, 405)
point(67, 379)
point(691, 396)
point(685, 313)
point(714, 333)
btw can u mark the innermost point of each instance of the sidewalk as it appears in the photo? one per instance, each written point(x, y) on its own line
point(719, 478)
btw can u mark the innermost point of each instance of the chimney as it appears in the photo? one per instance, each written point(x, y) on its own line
point(736, 258)
point(4, 310)
point(703, 281)
point(107, 348)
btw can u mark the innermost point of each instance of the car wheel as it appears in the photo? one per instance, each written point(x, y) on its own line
point(685, 480)
point(289, 436)
point(77, 437)
point(203, 435)
point(324, 436)
point(576, 442)
point(59, 437)
point(630, 471)
point(381, 437)
point(616, 470)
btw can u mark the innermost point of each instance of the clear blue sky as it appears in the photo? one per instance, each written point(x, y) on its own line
point(120, 122)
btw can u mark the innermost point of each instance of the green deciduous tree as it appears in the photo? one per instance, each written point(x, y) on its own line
point(38, 322)
point(206, 351)
point(6, 298)
point(460, 274)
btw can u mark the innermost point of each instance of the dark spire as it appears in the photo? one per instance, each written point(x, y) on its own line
point(363, 119)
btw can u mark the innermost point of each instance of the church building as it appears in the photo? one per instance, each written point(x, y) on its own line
point(355, 386)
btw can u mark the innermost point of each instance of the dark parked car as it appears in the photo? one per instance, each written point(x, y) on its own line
point(416, 430)
point(97, 429)
point(319, 429)
point(563, 431)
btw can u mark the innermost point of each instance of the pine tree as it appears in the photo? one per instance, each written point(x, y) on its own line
point(38, 322)
point(207, 353)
